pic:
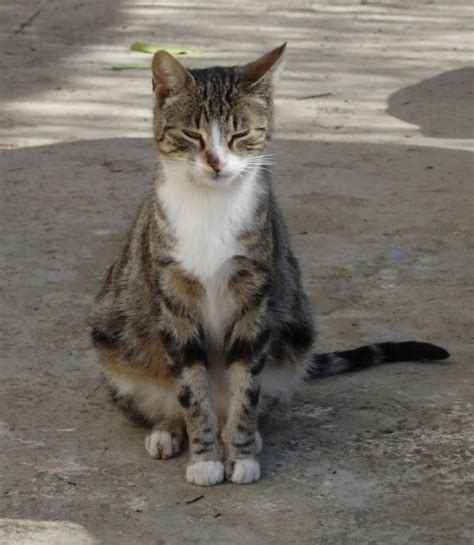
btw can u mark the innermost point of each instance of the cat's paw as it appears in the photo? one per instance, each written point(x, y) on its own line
point(244, 471)
point(205, 473)
point(162, 445)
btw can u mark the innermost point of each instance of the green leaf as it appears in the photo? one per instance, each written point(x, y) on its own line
point(152, 48)
point(132, 66)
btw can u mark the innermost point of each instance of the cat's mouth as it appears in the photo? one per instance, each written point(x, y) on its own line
point(216, 179)
point(221, 176)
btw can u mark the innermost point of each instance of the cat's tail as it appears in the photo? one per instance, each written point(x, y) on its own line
point(335, 363)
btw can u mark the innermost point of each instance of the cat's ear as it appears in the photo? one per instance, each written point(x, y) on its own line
point(265, 68)
point(169, 75)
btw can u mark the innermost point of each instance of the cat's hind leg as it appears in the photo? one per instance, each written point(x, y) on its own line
point(157, 406)
point(165, 439)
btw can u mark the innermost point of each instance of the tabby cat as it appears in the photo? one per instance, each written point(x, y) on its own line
point(202, 321)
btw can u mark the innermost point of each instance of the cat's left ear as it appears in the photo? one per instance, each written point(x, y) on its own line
point(266, 68)
point(170, 77)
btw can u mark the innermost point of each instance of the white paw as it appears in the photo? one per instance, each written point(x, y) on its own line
point(258, 442)
point(245, 471)
point(161, 444)
point(205, 473)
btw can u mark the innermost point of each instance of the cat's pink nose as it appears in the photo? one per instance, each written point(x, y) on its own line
point(215, 163)
point(217, 166)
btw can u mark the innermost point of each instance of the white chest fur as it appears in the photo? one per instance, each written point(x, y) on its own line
point(207, 222)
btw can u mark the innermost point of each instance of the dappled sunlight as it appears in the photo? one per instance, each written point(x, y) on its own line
point(358, 55)
point(43, 532)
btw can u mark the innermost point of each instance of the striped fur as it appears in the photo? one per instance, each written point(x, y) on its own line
point(347, 361)
point(202, 320)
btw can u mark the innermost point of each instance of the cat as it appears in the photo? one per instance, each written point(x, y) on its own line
point(202, 322)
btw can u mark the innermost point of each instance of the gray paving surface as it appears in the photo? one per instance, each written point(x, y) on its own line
point(375, 179)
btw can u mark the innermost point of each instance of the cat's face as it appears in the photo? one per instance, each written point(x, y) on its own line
point(213, 125)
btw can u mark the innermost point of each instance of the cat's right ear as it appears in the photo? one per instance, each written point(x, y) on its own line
point(265, 69)
point(169, 75)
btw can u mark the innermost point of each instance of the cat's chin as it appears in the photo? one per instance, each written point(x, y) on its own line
point(222, 180)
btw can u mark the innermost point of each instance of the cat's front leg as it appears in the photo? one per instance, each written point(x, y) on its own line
point(246, 360)
point(189, 367)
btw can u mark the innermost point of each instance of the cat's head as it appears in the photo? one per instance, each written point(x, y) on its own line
point(213, 125)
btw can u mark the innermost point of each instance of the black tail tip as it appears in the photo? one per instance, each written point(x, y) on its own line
point(434, 352)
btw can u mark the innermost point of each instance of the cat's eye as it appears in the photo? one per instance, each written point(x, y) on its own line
point(238, 135)
point(194, 135)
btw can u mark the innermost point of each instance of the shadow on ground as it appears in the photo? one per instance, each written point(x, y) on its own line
point(384, 257)
point(441, 105)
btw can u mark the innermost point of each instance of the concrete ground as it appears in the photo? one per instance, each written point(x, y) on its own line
point(374, 173)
